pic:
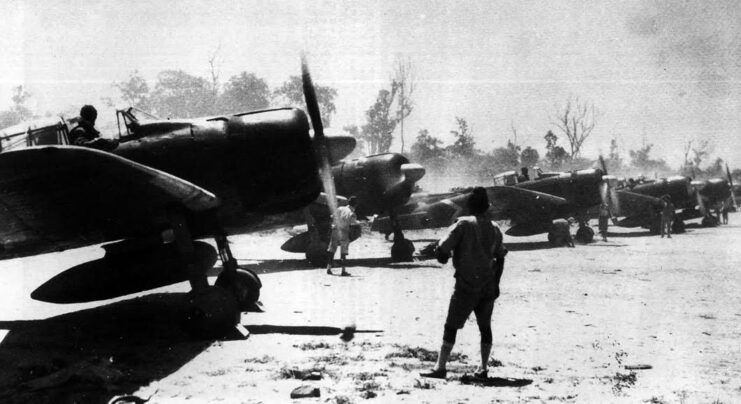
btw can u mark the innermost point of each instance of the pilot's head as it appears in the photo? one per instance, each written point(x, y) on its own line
point(352, 201)
point(89, 113)
point(478, 201)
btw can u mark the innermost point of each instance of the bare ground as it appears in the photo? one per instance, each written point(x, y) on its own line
point(635, 319)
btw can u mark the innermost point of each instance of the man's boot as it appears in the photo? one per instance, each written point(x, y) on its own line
point(439, 372)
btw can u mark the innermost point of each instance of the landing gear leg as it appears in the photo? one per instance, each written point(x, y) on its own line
point(243, 284)
point(402, 249)
point(211, 312)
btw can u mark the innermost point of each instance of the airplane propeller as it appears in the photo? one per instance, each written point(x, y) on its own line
point(321, 147)
point(608, 190)
point(697, 186)
point(408, 175)
point(730, 184)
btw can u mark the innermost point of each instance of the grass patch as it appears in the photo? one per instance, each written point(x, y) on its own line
point(313, 345)
point(262, 360)
point(423, 354)
point(623, 381)
point(365, 376)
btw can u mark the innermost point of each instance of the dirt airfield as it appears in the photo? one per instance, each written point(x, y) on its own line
point(634, 319)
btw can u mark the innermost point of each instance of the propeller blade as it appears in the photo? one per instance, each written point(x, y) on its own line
point(608, 194)
point(701, 203)
point(730, 182)
point(602, 163)
point(321, 148)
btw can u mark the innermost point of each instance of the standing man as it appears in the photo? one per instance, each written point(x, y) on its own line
point(478, 258)
point(85, 134)
point(667, 215)
point(724, 211)
point(604, 216)
point(341, 235)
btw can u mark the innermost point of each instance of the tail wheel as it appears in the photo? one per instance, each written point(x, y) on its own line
point(211, 313)
point(585, 234)
point(243, 284)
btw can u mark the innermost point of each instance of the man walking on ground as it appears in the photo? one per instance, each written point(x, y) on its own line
point(341, 234)
point(478, 257)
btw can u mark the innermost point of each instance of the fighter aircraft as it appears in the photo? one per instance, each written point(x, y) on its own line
point(639, 204)
point(381, 183)
point(530, 205)
point(167, 184)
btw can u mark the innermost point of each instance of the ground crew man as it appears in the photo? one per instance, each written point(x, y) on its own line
point(85, 134)
point(341, 235)
point(667, 215)
point(724, 212)
point(478, 257)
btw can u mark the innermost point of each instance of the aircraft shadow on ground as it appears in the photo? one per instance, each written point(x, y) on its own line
point(288, 265)
point(96, 354)
point(496, 381)
point(529, 245)
point(303, 330)
point(641, 233)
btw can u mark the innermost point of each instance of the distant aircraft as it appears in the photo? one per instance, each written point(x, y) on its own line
point(639, 204)
point(167, 183)
point(530, 205)
point(382, 184)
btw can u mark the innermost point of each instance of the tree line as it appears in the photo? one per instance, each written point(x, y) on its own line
point(178, 94)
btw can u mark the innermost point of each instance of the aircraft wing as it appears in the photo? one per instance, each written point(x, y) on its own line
point(521, 205)
point(58, 197)
point(632, 204)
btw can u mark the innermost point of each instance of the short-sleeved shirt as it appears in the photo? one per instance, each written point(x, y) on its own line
point(83, 133)
point(474, 241)
point(668, 210)
point(345, 218)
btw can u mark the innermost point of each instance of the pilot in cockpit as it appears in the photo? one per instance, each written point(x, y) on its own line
point(85, 134)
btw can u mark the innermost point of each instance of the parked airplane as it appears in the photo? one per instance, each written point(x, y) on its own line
point(167, 183)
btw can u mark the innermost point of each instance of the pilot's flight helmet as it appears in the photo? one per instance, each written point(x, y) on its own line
point(89, 113)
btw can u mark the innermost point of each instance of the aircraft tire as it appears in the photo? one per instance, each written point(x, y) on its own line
point(585, 234)
point(552, 238)
point(402, 250)
point(710, 221)
point(678, 226)
point(244, 285)
point(211, 313)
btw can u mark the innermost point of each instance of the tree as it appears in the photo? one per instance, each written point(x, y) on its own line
point(135, 91)
point(555, 156)
point(426, 147)
point(244, 92)
point(292, 92)
point(614, 162)
point(576, 121)
point(181, 95)
point(529, 157)
point(403, 80)
point(464, 145)
point(701, 150)
point(507, 158)
point(641, 160)
point(381, 122)
point(18, 112)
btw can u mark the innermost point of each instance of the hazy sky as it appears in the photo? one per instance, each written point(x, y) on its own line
point(666, 71)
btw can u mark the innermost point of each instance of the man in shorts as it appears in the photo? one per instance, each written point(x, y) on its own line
point(478, 257)
point(341, 234)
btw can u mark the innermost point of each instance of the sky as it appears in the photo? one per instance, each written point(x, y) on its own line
point(659, 72)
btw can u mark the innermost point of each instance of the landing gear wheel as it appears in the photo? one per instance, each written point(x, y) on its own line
point(243, 284)
point(402, 250)
point(551, 238)
point(585, 234)
point(710, 221)
point(677, 226)
point(655, 227)
point(211, 313)
point(316, 254)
